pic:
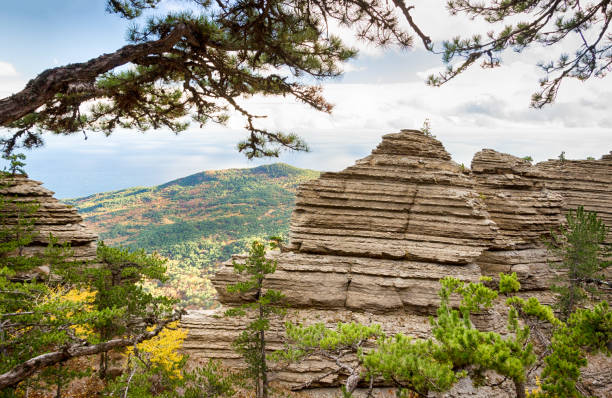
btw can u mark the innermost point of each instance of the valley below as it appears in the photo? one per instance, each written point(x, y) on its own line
point(197, 221)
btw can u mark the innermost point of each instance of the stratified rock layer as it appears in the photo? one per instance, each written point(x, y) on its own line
point(379, 235)
point(52, 218)
point(585, 183)
point(370, 243)
point(391, 204)
point(524, 210)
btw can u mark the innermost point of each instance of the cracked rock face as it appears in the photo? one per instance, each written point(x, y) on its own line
point(390, 204)
point(582, 182)
point(52, 217)
point(524, 210)
point(371, 242)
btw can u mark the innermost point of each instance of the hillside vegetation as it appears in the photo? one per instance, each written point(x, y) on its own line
point(197, 221)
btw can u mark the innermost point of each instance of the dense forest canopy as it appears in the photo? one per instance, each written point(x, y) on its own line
point(197, 221)
point(196, 65)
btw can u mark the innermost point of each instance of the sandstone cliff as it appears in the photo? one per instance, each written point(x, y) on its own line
point(370, 243)
point(524, 210)
point(582, 182)
point(52, 217)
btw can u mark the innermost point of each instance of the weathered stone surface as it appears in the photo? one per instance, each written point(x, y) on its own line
point(370, 243)
point(210, 336)
point(524, 210)
point(391, 204)
point(582, 182)
point(52, 217)
point(359, 283)
point(516, 199)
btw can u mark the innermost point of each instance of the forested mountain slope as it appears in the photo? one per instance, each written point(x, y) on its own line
point(197, 221)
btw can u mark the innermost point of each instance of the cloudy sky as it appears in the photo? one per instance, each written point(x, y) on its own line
point(381, 92)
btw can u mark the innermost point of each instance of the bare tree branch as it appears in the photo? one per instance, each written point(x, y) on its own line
point(31, 366)
point(406, 11)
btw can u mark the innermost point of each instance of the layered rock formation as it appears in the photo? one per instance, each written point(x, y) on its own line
point(379, 235)
point(52, 218)
point(582, 182)
point(524, 210)
point(370, 243)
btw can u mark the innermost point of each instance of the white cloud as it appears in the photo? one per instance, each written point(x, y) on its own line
point(351, 67)
point(10, 80)
point(434, 20)
point(480, 108)
point(349, 39)
point(7, 70)
point(431, 71)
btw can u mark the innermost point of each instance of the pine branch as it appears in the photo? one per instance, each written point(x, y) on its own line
point(75, 78)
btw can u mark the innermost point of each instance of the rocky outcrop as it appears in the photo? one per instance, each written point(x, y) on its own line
point(371, 242)
point(527, 201)
point(524, 210)
point(582, 182)
point(52, 218)
point(379, 235)
point(391, 204)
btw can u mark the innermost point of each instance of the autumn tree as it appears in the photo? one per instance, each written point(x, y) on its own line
point(117, 284)
point(153, 368)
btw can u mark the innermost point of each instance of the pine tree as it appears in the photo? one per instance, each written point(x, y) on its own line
point(212, 381)
point(457, 348)
point(416, 366)
point(251, 344)
point(46, 321)
point(584, 257)
point(587, 331)
point(525, 23)
point(342, 347)
point(16, 163)
point(198, 66)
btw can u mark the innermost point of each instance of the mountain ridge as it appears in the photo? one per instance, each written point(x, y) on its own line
point(197, 221)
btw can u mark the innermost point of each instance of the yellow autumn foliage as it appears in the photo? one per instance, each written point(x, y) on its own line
point(536, 392)
point(78, 296)
point(85, 297)
point(163, 349)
